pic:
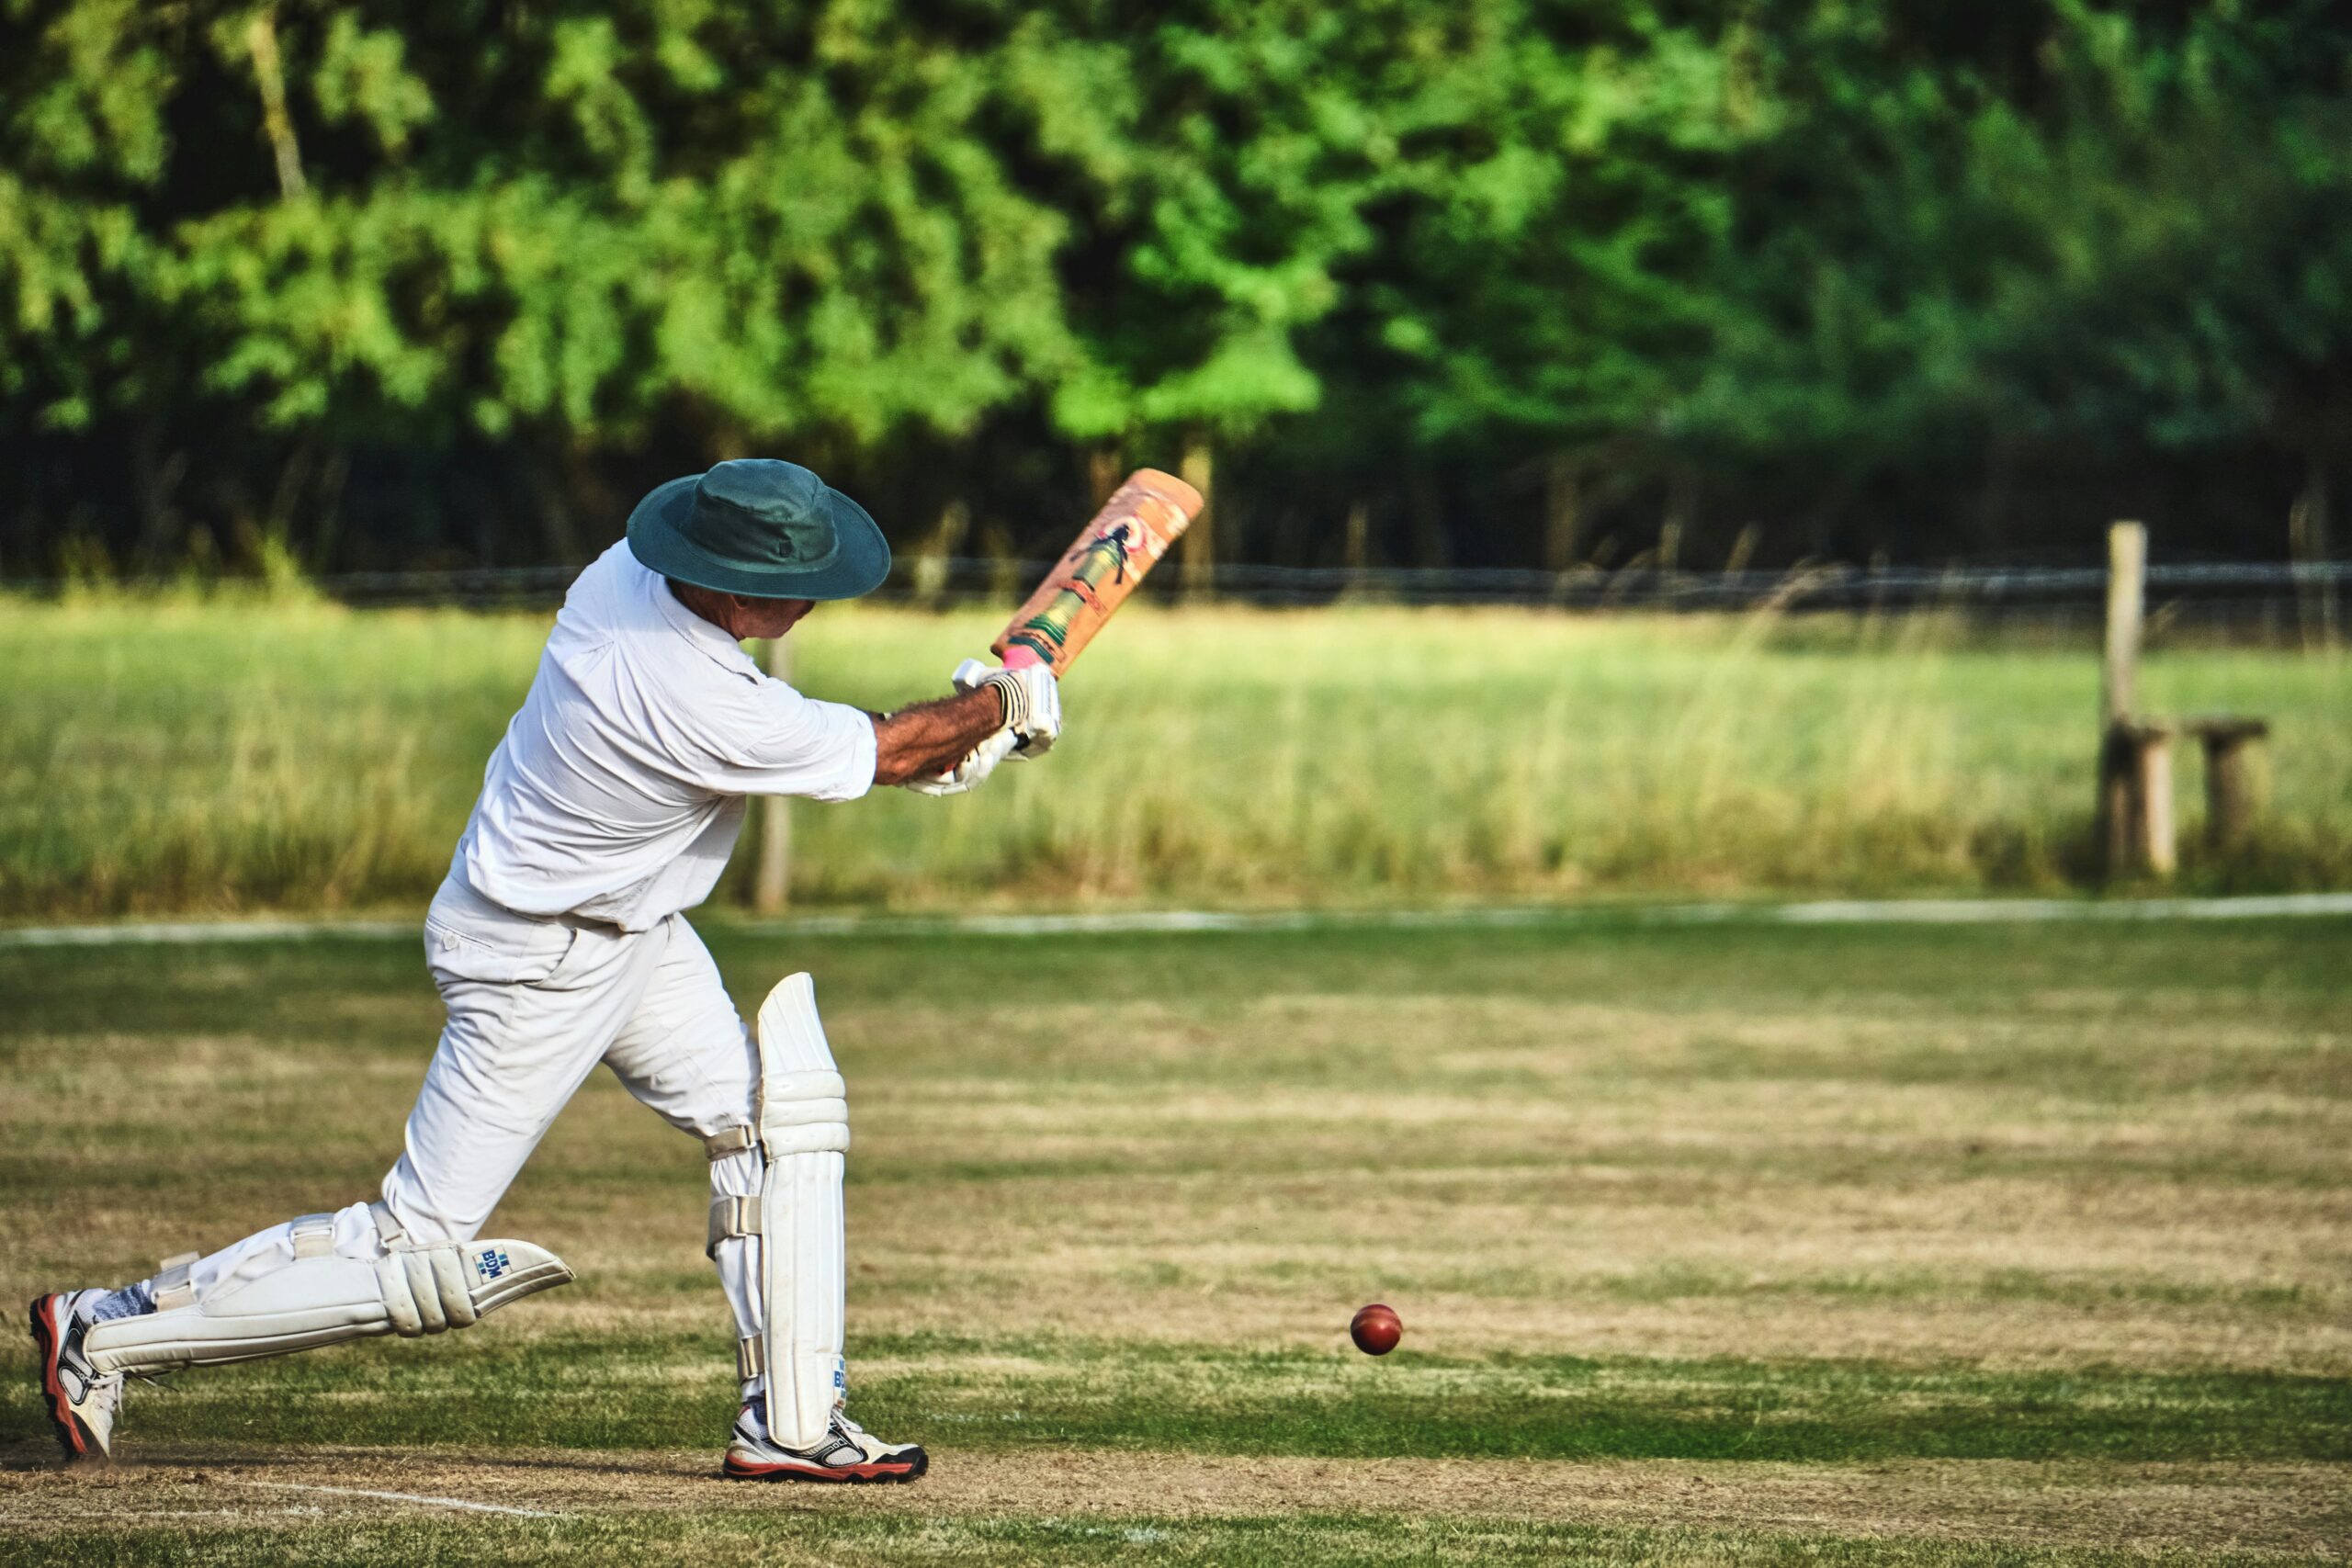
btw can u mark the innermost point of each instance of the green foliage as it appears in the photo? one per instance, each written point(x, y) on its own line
point(2136, 239)
point(1829, 240)
point(584, 217)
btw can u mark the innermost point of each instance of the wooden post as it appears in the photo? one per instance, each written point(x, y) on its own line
point(1198, 546)
point(2127, 582)
point(930, 566)
point(2119, 774)
point(2152, 783)
point(2115, 813)
point(772, 880)
point(1358, 541)
point(2229, 779)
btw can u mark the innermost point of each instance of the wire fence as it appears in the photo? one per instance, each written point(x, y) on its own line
point(2276, 600)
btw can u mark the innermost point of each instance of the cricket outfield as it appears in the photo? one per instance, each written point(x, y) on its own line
point(1713, 1243)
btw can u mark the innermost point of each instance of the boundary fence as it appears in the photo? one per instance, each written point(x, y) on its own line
point(2286, 600)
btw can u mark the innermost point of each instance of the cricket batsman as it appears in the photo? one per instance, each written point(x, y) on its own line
point(559, 941)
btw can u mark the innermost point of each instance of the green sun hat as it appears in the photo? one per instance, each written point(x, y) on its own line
point(761, 528)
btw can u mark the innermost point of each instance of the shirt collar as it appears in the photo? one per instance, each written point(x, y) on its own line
point(706, 637)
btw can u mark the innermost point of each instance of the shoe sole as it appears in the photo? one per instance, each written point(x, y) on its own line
point(69, 1436)
point(886, 1473)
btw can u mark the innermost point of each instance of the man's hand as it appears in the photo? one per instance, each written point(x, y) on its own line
point(942, 740)
point(926, 739)
point(1033, 702)
point(967, 774)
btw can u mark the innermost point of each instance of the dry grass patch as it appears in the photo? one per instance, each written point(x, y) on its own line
point(2278, 1508)
point(1816, 1195)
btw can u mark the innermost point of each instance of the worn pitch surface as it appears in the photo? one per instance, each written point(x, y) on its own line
point(1744, 1243)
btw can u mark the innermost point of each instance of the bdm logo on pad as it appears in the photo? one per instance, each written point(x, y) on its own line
point(491, 1264)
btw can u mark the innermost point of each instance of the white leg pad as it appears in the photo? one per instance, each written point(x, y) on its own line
point(804, 1133)
point(325, 1299)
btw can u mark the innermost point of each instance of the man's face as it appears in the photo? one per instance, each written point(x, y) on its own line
point(767, 617)
point(740, 615)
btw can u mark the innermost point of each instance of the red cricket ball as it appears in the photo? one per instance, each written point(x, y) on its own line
point(1375, 1329)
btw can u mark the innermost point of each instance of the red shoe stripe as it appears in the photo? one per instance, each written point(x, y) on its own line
point(49, 1337)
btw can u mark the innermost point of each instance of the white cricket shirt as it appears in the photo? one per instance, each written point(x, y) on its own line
point(617, 793)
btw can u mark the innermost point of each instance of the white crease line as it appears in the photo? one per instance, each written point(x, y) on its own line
point(1153, 922)
point(106, 1516)
point(402, 1498)
point(172, 932)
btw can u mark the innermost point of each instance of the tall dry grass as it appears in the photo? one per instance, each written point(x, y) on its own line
point(192, 753)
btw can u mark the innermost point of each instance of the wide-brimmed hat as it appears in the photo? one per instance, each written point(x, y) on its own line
point(757, 527)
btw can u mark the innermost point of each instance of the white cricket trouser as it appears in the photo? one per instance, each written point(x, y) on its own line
point(534, 1005)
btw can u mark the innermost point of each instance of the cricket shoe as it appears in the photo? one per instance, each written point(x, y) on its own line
point(847, 1452)
point(82, 1403)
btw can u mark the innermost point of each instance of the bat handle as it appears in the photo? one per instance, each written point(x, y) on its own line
point(1019, 657)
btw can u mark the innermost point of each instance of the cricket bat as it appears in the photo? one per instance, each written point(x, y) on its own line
point(1127, 538)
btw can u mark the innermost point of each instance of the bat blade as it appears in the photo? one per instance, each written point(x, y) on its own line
point(1102, 567)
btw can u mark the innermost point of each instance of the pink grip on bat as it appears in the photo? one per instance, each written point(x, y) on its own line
point(1133, 530)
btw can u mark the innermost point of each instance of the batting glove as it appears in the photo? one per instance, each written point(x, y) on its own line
point(967, 774)
point(1033, 702)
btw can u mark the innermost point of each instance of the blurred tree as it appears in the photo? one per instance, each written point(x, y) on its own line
point(2072, 231)
point(562, 226)
point(1556, 264)
point(613, 210)
point(1493, 280)
point(83, 145)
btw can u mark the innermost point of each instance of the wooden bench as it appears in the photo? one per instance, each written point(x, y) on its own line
point(2135, 787)
point(2229, 775)
point(2135, 825)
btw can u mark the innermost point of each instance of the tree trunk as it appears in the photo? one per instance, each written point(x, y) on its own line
point(153, 477)
point(329, 534)
point(269, 75)
point(1430, 545)
point(1198, 545)
point(551, 498)
point(1104, 469)
point(2307, 543)
point(931, 564)
point(1562, 513)
point(1682, 514)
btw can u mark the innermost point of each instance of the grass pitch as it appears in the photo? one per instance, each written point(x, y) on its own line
point(1736, 1244)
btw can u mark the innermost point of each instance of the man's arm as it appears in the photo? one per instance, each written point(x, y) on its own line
point(930, 737)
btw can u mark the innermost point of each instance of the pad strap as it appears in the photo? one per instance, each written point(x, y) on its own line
point(751, 1360)
point(173, 1287)
point(728, 1141)
point(424, 1290)
point(732, 1217)
point(313, 1235)
point(425, 1283)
